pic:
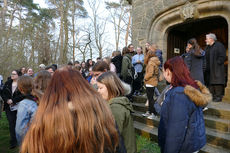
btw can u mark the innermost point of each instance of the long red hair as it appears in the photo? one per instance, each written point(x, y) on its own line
point(180, 72)
point(71, 118)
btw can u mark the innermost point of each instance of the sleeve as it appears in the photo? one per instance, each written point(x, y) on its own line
point(119, 115)
point(152, 69)
point(5, 93)
point(124, 68)
point(221, 54)
point(18, 97)
point(134, 62)
point(161, 59)
point(204, 64)
point(20, 127)
point(142, 59)
point(177, 124)
point(189, 61)
point(149, 72)
point(25, 114)
point(112, 67)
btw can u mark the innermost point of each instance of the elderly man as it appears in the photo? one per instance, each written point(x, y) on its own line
point(215, 57)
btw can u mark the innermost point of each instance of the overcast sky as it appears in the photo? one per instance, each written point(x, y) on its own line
point(109, 26)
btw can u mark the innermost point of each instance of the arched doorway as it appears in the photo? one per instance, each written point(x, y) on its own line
point(179, 34)
point(211, 14)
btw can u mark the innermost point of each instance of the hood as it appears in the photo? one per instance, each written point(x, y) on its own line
point(200, 97)
point(154, 60)
point(129, 55)
point(118, 57)
point(123, 101)
point(127, 88)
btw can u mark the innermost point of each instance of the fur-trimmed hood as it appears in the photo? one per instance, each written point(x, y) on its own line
point(200, 97)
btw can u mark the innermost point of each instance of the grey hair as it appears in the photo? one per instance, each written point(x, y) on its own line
point(212, 36)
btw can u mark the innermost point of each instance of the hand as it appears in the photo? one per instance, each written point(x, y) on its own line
point(9, 101)
point(138, 61)
point(93, 80)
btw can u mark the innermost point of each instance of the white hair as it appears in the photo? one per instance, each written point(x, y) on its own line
point(212, 36)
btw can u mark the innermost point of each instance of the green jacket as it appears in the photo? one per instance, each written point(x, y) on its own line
point(126, 66)
point(122, 109)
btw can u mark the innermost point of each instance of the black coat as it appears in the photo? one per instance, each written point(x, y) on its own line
point(7, 94)
point(196, 64)
point(215, 57)
point(117, 61)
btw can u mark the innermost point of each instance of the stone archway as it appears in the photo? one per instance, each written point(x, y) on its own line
point(160, 26)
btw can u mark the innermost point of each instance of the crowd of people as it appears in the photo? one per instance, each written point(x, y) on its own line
point(87, 107)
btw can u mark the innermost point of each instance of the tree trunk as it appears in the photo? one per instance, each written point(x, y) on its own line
point(73, 31)
point(61, 51)
point(65, 51)
point(127, 31)
point(3, 25)
point(10, 27)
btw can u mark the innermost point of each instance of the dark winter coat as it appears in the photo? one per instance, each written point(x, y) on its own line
point(182, 128)
point(7, 94)
point(159, 55)
point(117, 61)
point(126, 68)
point(215, 57)
point(196, 64)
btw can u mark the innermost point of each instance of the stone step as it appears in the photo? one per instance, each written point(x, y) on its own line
point(217, 138)
point(220, 110)
point(221, 125)
point(151, 132)
point(213, 149)
point(214, 137)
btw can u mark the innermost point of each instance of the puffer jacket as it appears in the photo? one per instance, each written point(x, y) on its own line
point(121, 109)
point(151, 71)
point(182, 128)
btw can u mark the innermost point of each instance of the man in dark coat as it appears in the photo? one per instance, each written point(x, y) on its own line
point(214, 75)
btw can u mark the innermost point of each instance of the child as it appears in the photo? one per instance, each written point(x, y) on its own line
point(112, 90)
point(26, 109)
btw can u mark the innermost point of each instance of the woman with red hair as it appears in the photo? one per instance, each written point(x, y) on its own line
point(72, 118)
point(181, 127)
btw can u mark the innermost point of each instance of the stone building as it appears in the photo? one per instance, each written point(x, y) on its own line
point(170, 23)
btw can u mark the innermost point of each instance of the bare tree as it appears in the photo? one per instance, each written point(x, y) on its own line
point(77, 11)
point(119, 14)
point(99, 26)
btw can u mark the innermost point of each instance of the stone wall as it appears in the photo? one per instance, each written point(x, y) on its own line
point(144, 12)
point(152, 19)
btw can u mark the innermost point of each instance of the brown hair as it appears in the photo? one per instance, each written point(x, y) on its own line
point(72, 117)
point(107, 60)
point(25, 84)
point(148, 56)
point(112, 83)
point(41, 82)
point(195, 46)
point(125, 50)
point(116, 53)
point(101, 66)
